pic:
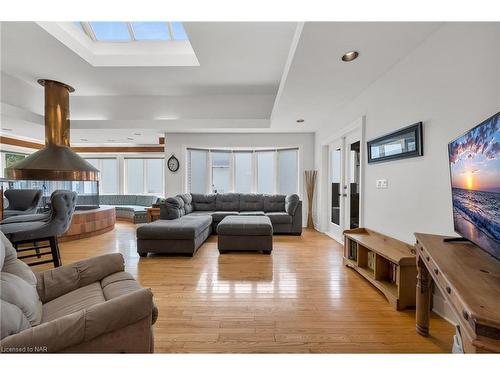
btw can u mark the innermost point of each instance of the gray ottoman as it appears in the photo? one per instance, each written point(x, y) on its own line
point(245, 233)
point(180, 236)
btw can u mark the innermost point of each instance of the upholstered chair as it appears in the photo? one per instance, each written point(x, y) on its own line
point(91, 306)
point(44, 228)
point(22, 202)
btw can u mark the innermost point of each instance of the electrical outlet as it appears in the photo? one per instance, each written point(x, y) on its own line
point(381, 184)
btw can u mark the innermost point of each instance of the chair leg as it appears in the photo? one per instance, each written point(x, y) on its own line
point(37, 249)
point(54, 247)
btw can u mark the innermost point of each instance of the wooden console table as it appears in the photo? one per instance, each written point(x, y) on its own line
point(469, 280)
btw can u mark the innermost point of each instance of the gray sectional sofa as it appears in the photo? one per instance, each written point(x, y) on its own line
point(128, 207)
point(187, 220)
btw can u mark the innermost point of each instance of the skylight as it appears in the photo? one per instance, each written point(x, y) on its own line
point(133, 31)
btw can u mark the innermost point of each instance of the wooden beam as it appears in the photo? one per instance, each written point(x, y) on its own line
point(20, 143)
point(89, 149)
point(119, 149)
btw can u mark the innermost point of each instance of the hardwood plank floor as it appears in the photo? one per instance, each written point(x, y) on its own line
point(301, 299)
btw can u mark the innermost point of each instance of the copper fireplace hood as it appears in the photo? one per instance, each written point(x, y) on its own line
point(56, 161)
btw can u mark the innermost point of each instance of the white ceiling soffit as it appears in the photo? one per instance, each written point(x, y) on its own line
point(147, 53)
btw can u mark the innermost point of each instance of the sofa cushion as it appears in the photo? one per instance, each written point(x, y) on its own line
point(251, 213)
point(291, 203)
point(114, 200)
point(145, 200)
point(204, 202)
point(12, 319)
point(245, 226)
point(185, 228)
point(219, 215)
point(172, 209)
point(251, 202)
point(188, 202)
point(201, 213)
point(279, 217)
point(132, 208)
point(17, 291)
point(227, 202)
point(76, 300)
point(10, 264)
point(274, 203)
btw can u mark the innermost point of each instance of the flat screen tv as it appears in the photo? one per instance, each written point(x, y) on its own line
point(475, 184)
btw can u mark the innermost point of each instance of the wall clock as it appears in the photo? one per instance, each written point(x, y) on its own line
point(173, 163)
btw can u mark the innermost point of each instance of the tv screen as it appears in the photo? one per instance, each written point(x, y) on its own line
point(475, 184)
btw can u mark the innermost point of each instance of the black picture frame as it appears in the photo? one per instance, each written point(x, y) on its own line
point(417, 130)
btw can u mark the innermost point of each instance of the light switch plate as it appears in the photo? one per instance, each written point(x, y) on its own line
point(381, 184)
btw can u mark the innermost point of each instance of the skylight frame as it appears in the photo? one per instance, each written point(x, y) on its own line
point(89, 31)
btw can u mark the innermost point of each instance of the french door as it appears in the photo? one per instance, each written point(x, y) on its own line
point(344, 184)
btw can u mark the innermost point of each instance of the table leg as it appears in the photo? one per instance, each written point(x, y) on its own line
point(423, 301)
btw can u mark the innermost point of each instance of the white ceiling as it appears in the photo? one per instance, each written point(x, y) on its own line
point(242, 66)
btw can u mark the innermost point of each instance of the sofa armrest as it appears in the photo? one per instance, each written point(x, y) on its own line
point(55, 282)
point(82, 326)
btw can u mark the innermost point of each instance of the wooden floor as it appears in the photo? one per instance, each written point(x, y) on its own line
point(300, 299)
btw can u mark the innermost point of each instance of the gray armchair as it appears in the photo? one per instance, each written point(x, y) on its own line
point(92, 306)
point(44, 228)
point(22, 201)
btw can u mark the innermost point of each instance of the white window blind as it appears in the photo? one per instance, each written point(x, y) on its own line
point(242, 171)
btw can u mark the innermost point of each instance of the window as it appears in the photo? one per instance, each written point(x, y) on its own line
point(108, 182)
point(8, 159)
point(288, 169)
point(132, 31)
point(265, 172)
point(150, 30)
point(144, 176)
point(154, 182)
point(221, 173)
point(243, 171)
point(197, 171)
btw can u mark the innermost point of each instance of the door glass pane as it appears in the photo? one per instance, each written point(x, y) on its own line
point(335, 181)
point(198, 171)
point(221, 177)
point(243, 172)
point(354, 176)
point(135, 176)
point(154, 184)
point(288, 174)
point(265, 172)
point(109, 176)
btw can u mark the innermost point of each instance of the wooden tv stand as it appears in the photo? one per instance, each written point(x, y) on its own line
point(393, 269)
point(469, 280)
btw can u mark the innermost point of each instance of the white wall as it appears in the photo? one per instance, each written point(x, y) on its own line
point(176, 143)
point(451, 82)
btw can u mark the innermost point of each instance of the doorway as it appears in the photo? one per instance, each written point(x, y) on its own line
point(344, 188)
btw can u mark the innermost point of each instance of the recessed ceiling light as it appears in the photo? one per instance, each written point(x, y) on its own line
point(7, 129)
point(83, 139)
point(130, 138)
point(137, 134)
point(349, 56)
point(300, 120)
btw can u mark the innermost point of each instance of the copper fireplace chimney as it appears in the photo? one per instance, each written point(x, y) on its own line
point(56, 161)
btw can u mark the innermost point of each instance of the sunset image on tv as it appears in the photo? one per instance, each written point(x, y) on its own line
point(475, 180)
